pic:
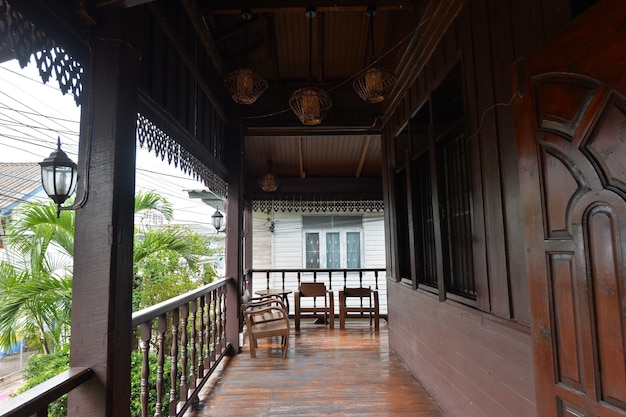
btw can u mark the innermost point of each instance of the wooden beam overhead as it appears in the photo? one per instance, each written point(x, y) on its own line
point(300, 156)
point(278, 6)
point(204, 34)
point(366, 145)
point(121, 4)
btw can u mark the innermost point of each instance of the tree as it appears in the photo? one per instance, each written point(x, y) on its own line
point(167, 262)
point(35, 290)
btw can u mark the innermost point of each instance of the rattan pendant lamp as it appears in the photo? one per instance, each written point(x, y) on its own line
point(374, 83)
point(310, 104)
point(244, 85)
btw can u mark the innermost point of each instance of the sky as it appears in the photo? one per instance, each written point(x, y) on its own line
point(33, 115)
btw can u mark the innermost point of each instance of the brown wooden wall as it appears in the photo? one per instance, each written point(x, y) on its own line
point(475, 357)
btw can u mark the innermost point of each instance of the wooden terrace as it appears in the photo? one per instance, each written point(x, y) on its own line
point(349, 372)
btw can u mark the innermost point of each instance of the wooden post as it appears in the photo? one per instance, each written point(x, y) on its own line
point(234, 234)
point(103, 257)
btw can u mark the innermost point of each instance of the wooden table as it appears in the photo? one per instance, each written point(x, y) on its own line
point(281, 292)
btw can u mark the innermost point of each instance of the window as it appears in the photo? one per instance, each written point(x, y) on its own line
point(312, 250)
point(333, 256)
point(424, 222)
point(455, 198)
point(332, 242)
point(435, 246)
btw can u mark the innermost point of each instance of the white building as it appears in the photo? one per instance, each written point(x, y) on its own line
point(292, 240)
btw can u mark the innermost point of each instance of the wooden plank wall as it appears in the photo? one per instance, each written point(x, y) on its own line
point(473, 364)
point(478, 363)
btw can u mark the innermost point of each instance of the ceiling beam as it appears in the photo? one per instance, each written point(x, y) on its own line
point(286, 6)
point(364, 149)
point(120, 4)
point(302, 172)
point(344, 187)
point(204, 34)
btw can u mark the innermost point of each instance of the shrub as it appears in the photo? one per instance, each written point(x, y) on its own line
point(41, 367)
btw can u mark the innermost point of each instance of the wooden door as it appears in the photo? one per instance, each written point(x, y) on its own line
point(571, 124)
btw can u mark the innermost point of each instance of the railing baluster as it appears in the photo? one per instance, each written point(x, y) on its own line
point(161, 329)
point(146, 330)
point(222, 316)
point(184, 312)
point(193, 345)
point(201, 337)
point(174, 370)
point(214, 315)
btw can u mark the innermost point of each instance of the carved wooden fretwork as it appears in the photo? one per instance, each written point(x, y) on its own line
point(165, 147)
point(25, 40)
point(317, 206)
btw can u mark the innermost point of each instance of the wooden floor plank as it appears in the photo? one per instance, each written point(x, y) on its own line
point(348, 373)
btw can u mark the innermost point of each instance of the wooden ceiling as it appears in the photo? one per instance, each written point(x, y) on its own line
point(347, 143)
point(275, 44)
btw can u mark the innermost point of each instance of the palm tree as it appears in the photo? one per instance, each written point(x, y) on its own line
point(35, 291)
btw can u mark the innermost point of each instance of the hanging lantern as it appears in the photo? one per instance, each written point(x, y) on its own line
point(269, 182)
point(373, 84)
point(244, 85)
point(310, 104)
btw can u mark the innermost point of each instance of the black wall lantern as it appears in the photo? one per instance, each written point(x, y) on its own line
point(58, 176)
point(218, 220)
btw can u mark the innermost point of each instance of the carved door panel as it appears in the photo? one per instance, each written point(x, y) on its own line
point(571, 123)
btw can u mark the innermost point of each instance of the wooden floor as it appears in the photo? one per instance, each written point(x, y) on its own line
point(327, 373)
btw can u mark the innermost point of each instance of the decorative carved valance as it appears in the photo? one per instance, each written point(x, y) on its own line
point(25, 40)
point(317, 206)
point(159, 142)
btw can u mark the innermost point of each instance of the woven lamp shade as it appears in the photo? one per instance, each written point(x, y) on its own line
point(269, 182)
point(245, 86)
point(310, 104)
point(373, 84)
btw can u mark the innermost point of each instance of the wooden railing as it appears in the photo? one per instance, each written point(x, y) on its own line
point(36, 400)
point(189, 331)
point(335, 280)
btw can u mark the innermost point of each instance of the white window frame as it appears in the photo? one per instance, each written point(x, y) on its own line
point(343, 245)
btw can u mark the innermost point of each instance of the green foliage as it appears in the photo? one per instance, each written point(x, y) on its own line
point(35, 290)
point(135, 383)
point(40, 368)
point(169, 261)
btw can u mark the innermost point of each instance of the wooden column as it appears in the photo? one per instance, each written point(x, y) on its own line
point(103, 258)
point(234, 232)
point(248, 237)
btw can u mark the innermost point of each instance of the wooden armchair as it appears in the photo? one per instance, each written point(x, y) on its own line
point(313, 290)
point(361, 294)
point(266, 317)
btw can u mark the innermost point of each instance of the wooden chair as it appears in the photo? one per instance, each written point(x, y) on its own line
point(313, 290)
point(266, 317)
point(362, 294)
